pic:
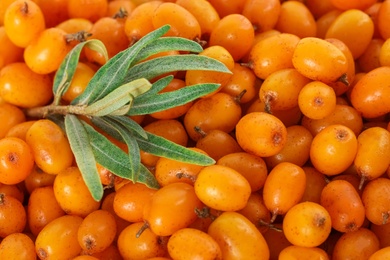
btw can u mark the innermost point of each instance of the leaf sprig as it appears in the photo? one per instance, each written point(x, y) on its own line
point(119, 89)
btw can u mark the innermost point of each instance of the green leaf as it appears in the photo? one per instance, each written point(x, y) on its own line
point(118, 98)
point(65, 72)
point(156, 87)
point(112, 74)
point(122, 133)
point(154, 103)
point(161, 65)
point(85, 159)
point(160, 146)
point(113, 158)
point(146, 177)
point(130, 124)
point(169, 44)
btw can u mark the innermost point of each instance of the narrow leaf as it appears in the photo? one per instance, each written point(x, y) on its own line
point(146, 177)
point(118, 98)
point(65, 72)
point(113, 158)
point(155, 103)
point(162, 147)
point(130, 124)
point(169, 44)
point(156, 87)
point(161, 65)
point(125, 135)
point(85, 159)
point(111, 75)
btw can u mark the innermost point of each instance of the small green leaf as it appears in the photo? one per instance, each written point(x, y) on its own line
point(156, 87)
point(118, 98)
point(162, 147)
point(147, 178)
point(161, 65)
point(65, 72)
point(154, 103)
point(122, 134)
point(113, 158)
point(112, 74)
point(85, 159)
point(169, 44)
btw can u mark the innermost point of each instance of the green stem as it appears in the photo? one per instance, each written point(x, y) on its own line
point(43, 112)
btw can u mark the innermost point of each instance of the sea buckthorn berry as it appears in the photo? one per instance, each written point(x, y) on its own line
point(21, 86)
point(315, 182)
point(280, 90)
point(139, 22)
point(242, 84)
point(238, 238)
point(383, 233)
point(10, 115)
point(111, 253)
point(256, 212)
point(13, 190)
point(375, 198)
point(304, 253)
point(190, 243)
point(217, 143)
point(75, 25)
point(47, 244)
point(370, 94)
point(296, 18)
point(97, 231)
point(204, 12)
point(261, 134)
point(226, 7)
point(319, 7)
point(319, 60)
point(342, 114)
point(340, 87)
point(382, 253)
point(333, 149)
point(79, 82)
point(355, 28)
point(384, 54)
point(283, 188)
point(92, 10)
point(272, 53)
point(324, 22)
point(72, 194)
point(383, 19)
point(111, 32)
point(23, 21)
point(42, 208)
point(344, 205)
point(9, 52)
point(13, 215)
point(222, 188)
point(168, 171)
point(220, 111)
point(17, 160)
point(307, 224)
point(161, 211)
point(120, 9)
point(54, 12)
point(296, 149)
point(373, 153)
point(46, 52)
point(263, 14)
point(361, 243)
point(252, 167)
point(20, 130)
point(129, 201)
point(317, 100)
point(200, 76)
point(369, 60)
point(146, 245)
point(346, 5)
point(182, 22)
point(235, 33)
point(276, 240)
point(37, 178)
point(50, 146)
point(17, 246)
point(174, 112)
